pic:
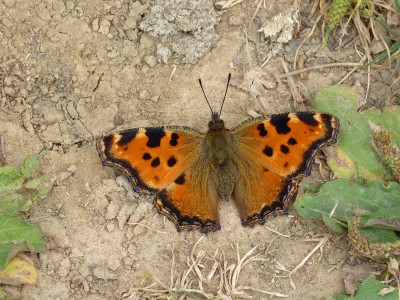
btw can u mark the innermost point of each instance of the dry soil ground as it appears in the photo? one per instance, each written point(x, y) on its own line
point(72, 71)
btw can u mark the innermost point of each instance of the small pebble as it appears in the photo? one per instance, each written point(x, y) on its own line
point(113, 53)
point(72, 168)
point(110, 227)
point(150, 60)
point(9, 91)
point(9, 3)
point(144, 95)
point(235, 20)
point(128, 261)
point(113, 263)
point(8, 81)
point(95, 24)
point(104, 26)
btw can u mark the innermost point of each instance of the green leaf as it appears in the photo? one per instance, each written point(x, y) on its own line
point(376, 203)
point(42, 193)
point(29, 166)
point(12, 203)
point(33, 183)
point(17, 235)
point(355, 156)
point(368, 290)
point(4, 295)
point(333, 224)
point(10, 180)
point(350, 198)
point(379, 235)
point(393, 48)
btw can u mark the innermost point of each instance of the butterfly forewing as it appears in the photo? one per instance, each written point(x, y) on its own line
point(165, 160)
point(279, 150)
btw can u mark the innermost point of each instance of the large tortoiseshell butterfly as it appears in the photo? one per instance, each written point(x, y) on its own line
point(259, 164)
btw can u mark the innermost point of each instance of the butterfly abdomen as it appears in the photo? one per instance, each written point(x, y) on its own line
point(223, 170)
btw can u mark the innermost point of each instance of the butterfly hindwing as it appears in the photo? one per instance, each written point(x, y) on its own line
point(190, 201)
point(162, 160)
point(279, 150)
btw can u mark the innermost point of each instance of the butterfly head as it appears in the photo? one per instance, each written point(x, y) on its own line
point(216, 124)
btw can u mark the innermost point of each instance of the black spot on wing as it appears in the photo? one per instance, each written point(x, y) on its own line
point(285, 149)
point(127, 136)
point(280, 122)
point(262, 130)
point(147, 156)
point(171, 161)
point(180, 180)
point(268, 151)
point(155, 135)
point(174, 139)
point(307, 118)
point(292, 141)
point(155, 162)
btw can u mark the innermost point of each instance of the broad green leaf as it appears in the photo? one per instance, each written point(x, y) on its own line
point(12, 203)
point(33, 183)
point(388, 119)
point(4, 295)
point(368, 290)
point(355, 156)
point(29, 166)
point(386, 219)
point(18, 272)
point(379, 235)
point(10, 180)
point(376, 203)
point(16, 235)
point(350, 198)
point(42, 193)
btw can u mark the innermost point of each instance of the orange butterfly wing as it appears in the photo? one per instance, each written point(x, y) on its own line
point(275, 153)
point(164, 161)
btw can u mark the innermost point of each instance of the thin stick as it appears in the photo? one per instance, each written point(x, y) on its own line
point(301, 264)
point(255, 13)
point(155, 230)
point(277, 232)
point(305, 40)
point(263, 291)
point(204, 93)
point(293, 89)
point(226, 91)
point(172, 73)
point(320, 67)
point(352, 70)
point(333, 209)
point(172, 267)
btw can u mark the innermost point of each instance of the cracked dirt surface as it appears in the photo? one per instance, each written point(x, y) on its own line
point(72, 71)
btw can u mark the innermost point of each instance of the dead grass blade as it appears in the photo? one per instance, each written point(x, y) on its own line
point(321, 243)
point(229, 273)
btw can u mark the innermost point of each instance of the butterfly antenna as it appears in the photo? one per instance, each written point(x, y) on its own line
point(226, 90)
point(201, 85)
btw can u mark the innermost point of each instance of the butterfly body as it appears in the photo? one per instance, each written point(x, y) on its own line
point(259, 164)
